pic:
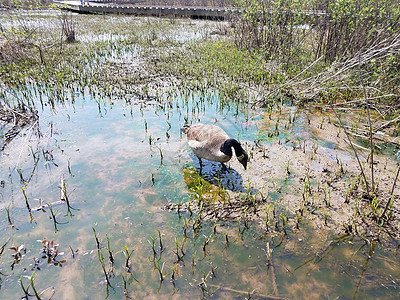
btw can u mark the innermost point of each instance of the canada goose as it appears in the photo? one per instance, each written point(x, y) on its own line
point(212, 143)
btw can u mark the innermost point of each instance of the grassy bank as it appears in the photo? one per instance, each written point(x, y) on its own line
point(272, 50)
point(278, 48)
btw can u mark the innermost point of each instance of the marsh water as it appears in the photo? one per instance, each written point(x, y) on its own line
point(119, 164)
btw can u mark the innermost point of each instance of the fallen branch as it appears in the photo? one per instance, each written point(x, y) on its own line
point(354, 150)
point(245, 292)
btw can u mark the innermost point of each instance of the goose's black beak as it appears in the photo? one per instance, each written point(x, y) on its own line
point(244, 163)
point(243, 160)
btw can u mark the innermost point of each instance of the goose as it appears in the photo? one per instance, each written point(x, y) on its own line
point(212, 143)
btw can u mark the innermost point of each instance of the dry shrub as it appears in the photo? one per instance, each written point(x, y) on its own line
point(322, 45)
point(351, 26)
point(67, 27)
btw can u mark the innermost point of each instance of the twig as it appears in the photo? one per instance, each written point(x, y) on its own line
point(354, 150)
point(273, 276)
point(41, 206)
point(380, 50)
point(245, 292)
point(391, 194)
point(62, 188)
point(371, 142)
point(394, 182)
point(358, 100)
point(388, 123)
point(362, 275)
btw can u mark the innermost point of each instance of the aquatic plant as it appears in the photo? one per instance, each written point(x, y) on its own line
point(37, 294)
point(19, 252)
point(53, 217)
point(10, 222)
point(102, 260)
point(50, 252)
point(27, 204)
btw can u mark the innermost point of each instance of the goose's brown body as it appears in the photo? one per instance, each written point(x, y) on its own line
point(212, 143)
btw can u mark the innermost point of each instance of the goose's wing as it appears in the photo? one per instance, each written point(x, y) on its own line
point(206, 133)
point(206, 140)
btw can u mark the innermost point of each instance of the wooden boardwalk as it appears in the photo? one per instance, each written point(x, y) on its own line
point(213, 13)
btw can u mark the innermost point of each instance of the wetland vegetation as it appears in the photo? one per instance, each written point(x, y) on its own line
point(97, 184)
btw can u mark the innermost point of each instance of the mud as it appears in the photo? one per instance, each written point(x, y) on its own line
point(12, 120)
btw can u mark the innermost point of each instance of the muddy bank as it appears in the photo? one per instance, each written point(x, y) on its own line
point(12, 120)
point(310, 177)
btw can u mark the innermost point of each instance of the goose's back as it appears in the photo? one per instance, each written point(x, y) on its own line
point(205, 133)
point(206, 140)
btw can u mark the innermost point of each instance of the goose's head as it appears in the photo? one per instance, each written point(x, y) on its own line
point(240, 152)
point(243, 158)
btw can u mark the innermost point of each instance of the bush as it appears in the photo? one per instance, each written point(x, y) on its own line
point(343, 36)
point(352, 26)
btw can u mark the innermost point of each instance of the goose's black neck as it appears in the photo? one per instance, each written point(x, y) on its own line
point(226, 147)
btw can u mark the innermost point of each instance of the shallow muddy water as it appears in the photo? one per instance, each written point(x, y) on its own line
point(117, 182)
point(120, 164)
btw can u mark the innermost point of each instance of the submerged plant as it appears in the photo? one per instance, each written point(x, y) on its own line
point(27, 204)
point(53, 217)
point(102, 260)
point(37, 294)
point(19, 252)
point(50, 252)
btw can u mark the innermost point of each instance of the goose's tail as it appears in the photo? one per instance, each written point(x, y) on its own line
point(185, 128)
